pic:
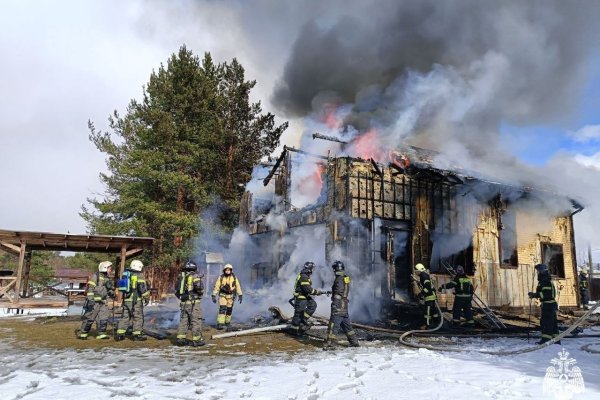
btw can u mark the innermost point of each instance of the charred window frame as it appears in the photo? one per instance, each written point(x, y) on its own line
point(443, 208)
point(373, 195)
point(507, 239)
point(553, 256)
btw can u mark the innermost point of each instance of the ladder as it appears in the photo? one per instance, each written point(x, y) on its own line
point(478, 302)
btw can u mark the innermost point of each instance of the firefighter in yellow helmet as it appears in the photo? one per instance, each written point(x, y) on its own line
point(227, 287)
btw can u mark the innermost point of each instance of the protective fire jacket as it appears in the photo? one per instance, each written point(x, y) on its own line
point(191, 288)
point(339, 293)
point(227, 286)
point(545, 290)
point(303, 289)
point(583, 283)
point(139, 288)
point(99, 287)
point(463, 287)
point(427, 285)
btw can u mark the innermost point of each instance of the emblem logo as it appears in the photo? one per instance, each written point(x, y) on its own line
point(563, 378)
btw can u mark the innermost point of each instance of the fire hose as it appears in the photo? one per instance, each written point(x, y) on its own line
point(570, 329)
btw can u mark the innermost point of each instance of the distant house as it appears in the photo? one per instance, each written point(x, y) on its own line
point(71, 278)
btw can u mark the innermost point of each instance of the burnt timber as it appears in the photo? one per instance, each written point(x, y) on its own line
point(387, 216)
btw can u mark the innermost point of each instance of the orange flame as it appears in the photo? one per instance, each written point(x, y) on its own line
point(330, 117)
point(367, 146)
point(312, 184)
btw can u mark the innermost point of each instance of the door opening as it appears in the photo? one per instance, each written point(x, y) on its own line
point(396, 251)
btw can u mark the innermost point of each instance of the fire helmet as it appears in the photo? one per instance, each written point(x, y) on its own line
point(541, 269)
point(136, 265)
point(104, 266)
point(583, 271)
point(190, 266)
point(228, 266)
point(309, 266)
point(460, 270)
point(420, 267)
point(338, 266)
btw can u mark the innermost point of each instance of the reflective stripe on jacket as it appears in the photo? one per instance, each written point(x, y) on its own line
point(225, 281)
point(303, 288)
point(463, 287)
point(98, 286)
point(546, 291)
point(428, 287)
point(139, 288)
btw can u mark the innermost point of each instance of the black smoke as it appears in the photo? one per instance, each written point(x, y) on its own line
point(531, 56)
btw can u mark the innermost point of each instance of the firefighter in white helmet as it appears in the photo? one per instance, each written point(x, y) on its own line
point(135, 296)
point(227, 287)
point(100, 287)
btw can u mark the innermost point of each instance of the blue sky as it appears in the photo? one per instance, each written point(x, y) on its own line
point(536, 144)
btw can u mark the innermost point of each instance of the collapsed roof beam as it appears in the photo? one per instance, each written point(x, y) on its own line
point(318, 135)
point(275, 167)
point(306, 153)
point(282, 156)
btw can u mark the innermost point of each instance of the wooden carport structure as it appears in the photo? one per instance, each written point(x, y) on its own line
point(21, 244)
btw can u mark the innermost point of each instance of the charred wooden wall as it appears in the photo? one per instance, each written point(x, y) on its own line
point(358, 192)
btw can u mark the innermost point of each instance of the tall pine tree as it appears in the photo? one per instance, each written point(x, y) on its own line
point(194, 136)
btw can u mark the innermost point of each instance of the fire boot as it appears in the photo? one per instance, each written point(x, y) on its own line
point(181, 342)
point(139, 338)
point(119, 337)
point(198, 343)
point(102, 336)
point(329, 345)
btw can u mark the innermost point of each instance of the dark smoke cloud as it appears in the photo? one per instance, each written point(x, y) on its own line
point(532, 55)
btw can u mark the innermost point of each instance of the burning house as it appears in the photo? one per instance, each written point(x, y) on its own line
point(382, 217)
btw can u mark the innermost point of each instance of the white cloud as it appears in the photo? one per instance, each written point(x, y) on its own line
point(589, 161)
point(586, 134)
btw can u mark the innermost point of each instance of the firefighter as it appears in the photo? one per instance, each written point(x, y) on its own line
point(430, 310)
point(463, 296)
point(100, 287)
point(135, 297)
point(339, 308)
point(584, 290)
point(304, 304)
point(227, 287)
point(189, 291)
point(546, 292)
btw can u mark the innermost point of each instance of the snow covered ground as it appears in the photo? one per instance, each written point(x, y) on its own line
point(12, 312)
point(374, 371)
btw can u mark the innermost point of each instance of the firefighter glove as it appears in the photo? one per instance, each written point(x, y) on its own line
point(241, 299)
point(531, 295)
point(214, 298)
point(318, 292)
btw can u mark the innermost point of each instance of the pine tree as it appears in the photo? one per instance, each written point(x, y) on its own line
point(194, 135)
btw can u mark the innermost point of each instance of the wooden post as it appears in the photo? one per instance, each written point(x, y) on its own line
point(20, 272)
point(26, 277)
